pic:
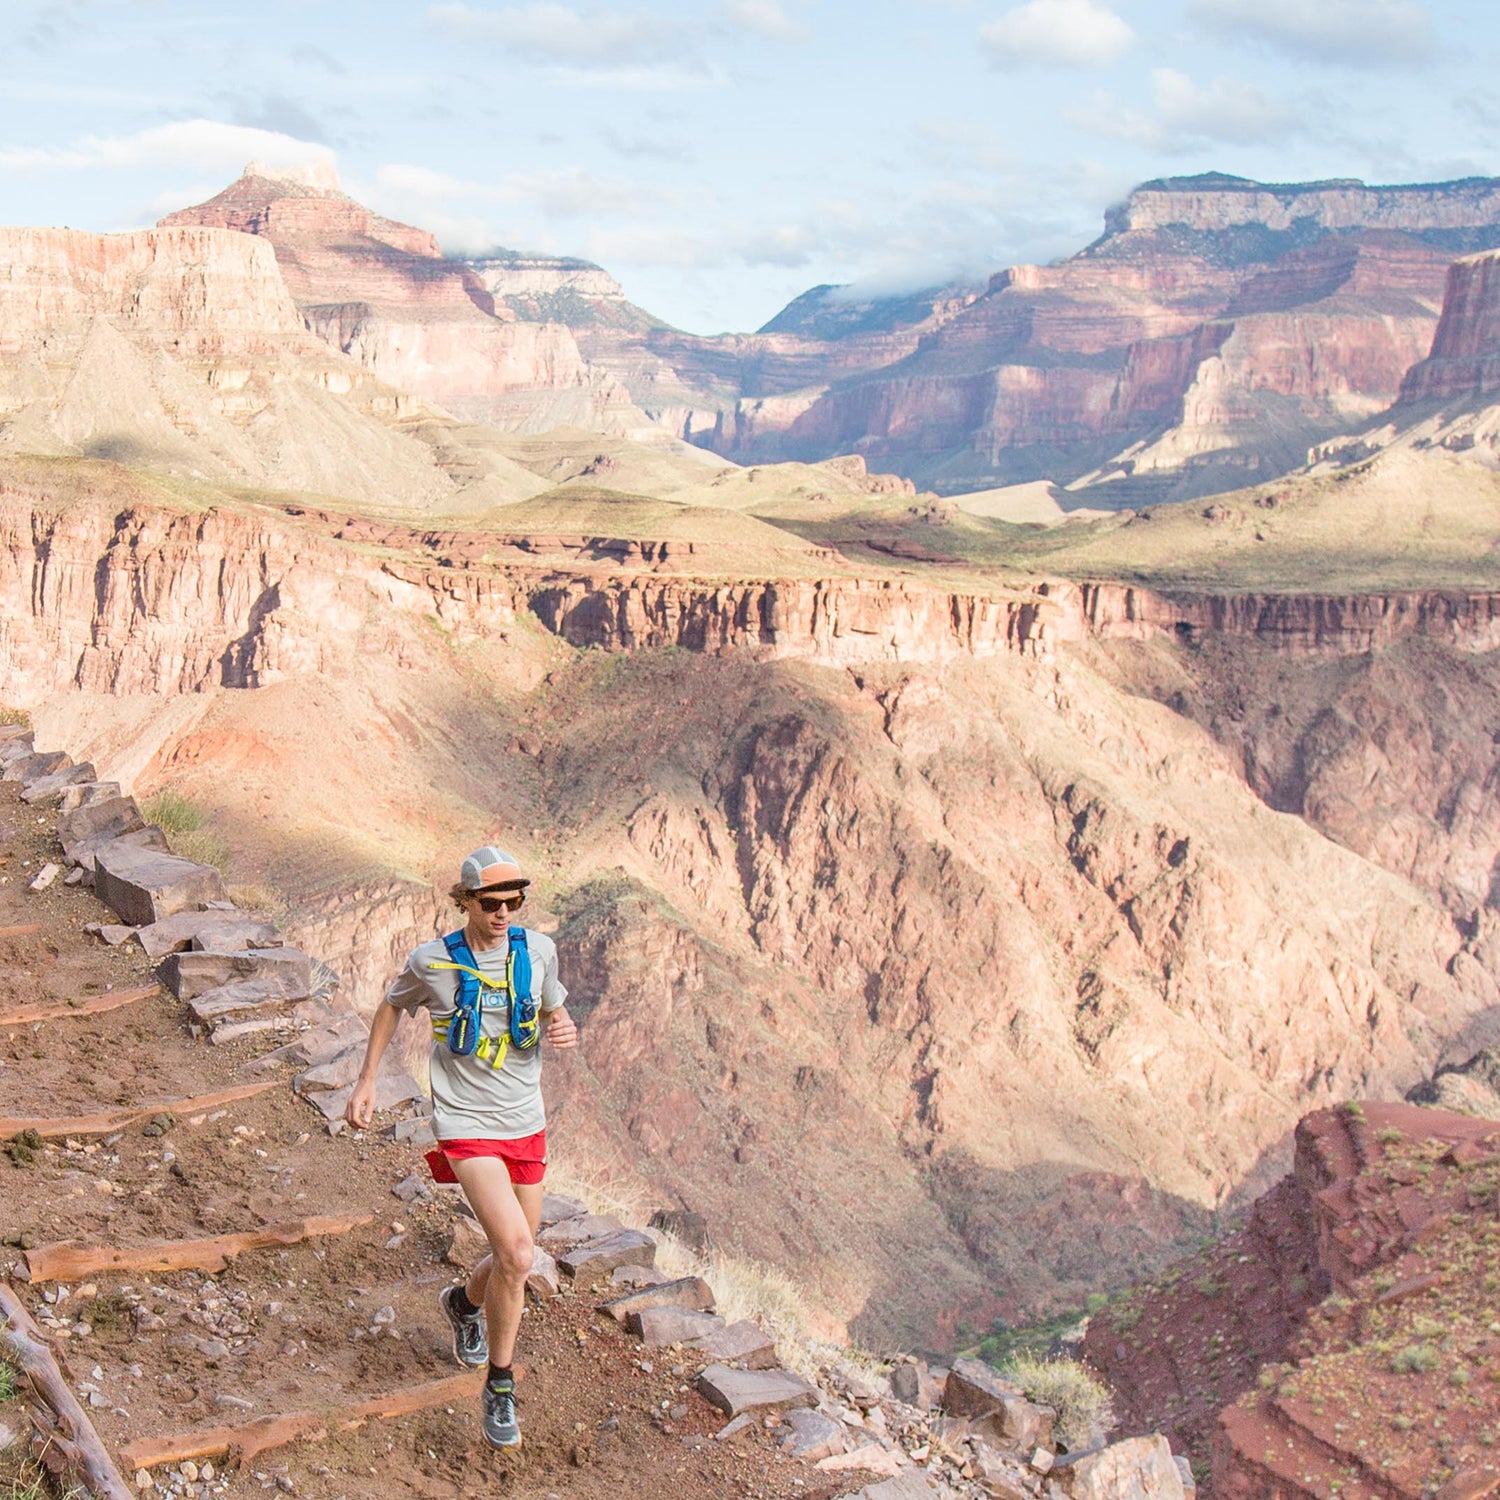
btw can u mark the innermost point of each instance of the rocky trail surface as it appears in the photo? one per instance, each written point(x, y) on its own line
point(219, 1294)
point(315, 1326)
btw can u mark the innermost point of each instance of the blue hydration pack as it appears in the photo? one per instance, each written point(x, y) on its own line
point(475, 990)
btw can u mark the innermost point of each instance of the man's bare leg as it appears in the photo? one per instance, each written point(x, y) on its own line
point(509, 1221)
point(529, 1196)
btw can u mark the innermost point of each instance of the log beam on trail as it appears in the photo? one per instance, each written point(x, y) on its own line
point(24, 930)
point(65, 1426)
point(241, 1444)
point(70, 1261)
point(64, 1010)
point(117, 1119)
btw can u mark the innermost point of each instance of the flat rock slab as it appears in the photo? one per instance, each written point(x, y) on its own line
point(236, 1002)
point(687, 1291)
point(49, 788)
point(391, 1089)
point(142, 886)
point(744, 1343)
point(912, 1485)
point(735, 1391)
point(85, 854)
point(222, 931)
point(199, 970)
point(29, 768)
point(86, 794)
point(344, 1031)
point(112, 816)
point(595, 1259)
point(656, 1326)
point(578, 1231)
point(558, 1206)
point(973, 1389)
point(633, 1277)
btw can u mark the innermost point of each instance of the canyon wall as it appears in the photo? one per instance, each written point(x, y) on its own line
point(1465, 357)
point(946, 968)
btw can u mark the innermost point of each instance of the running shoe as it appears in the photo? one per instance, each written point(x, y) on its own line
point(470, 1346)
point(498, 1411)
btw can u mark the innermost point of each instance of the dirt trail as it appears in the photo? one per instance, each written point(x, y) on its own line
point(319, 1324)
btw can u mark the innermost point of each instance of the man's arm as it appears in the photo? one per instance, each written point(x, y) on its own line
point(360, 1110)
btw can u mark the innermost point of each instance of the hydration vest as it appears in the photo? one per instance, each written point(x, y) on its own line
point(477, 992)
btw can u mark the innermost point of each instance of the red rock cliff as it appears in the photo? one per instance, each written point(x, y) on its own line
point(1465, 357)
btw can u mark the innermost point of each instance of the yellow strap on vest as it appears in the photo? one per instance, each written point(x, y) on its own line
point(491, 1049)
point(504, 985)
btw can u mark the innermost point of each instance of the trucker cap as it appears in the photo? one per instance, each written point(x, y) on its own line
point(490, 866)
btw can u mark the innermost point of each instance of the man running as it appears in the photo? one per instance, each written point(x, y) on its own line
point(487, 1109)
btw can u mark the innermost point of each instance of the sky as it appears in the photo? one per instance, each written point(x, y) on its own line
point(719, 157)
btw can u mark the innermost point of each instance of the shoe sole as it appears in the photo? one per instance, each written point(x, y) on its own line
point(468, 1364)
point(503, 1447)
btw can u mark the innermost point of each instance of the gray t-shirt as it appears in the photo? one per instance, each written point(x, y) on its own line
point(471, 1100)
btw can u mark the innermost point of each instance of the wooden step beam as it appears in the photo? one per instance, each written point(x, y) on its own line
point(241, 1444)
point(93, 1005)
point(117, 1119)
point(68, 1260)
point(24, 930)
point(67, 1434)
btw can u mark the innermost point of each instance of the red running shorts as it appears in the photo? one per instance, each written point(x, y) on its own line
point(525, 1159)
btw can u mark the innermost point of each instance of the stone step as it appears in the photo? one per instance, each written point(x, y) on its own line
point(973, 1388)
point(687, 1291)
point(744, 1343)
point(29, 768)
point(595, 1259)
point(144, 885)
point(557, 1206)
point(47, 789)
point(85, 794)
point(566, 1233)
point(656, 1326)
point(240, 999)
point(85, 828)
point(221, 931)
point(199, 970)
point(735, 1391)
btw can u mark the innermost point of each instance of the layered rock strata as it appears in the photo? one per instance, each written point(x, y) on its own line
point(383, 294)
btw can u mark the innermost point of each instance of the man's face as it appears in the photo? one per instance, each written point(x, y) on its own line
point(491, 912)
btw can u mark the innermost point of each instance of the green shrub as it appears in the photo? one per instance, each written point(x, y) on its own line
point(1080, 1398)
point(7, 1380)
point(1414, 1359)
point(186, 827)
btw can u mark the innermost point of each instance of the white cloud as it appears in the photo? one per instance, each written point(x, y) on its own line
point(1357, 33)
point(556, 34)
point(768, 18)
point(1061, 33)
point(566, 193)
point(203, 144)
point(1186, 115)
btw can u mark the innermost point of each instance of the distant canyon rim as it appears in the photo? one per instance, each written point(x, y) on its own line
point(958, 931)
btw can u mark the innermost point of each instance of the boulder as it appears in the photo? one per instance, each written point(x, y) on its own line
point(85, 853)
point(684, 1225)
point(872, 1458)
point(578, 1230)
point(687, 1291)
point(810, 1435)
point(656, 1326)
point(632, 1277)
point(466, 1245)
point(1140, 1468)
point(735, 1391)
point(973, 1388)
point(906, 1382)
point(595, 1259)
point(1017, 1424)
point(197, 971)
point(744, 1343)
point(222, 931)
point(144, 885)
point(344, 1031)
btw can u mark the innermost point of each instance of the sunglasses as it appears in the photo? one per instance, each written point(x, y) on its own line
point(493, 904)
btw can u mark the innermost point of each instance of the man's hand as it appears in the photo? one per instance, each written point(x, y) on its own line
point(562, 1030)
point(360, 1109)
